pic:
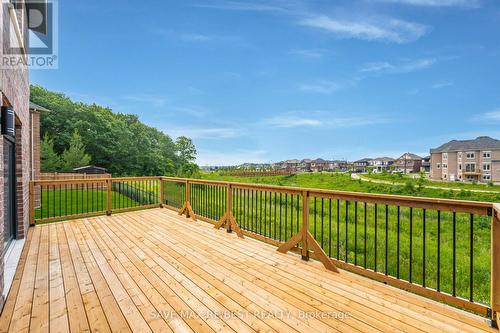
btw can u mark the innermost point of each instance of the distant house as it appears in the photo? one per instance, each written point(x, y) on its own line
point(426, 164)
point(277, 165)
point(408, 163)
point(361, 166)
point(381, 164)
point(90, 169)
point(319, 165)
point(291, 165)
point(467, 160)
point(337, 165)
point(305, 165)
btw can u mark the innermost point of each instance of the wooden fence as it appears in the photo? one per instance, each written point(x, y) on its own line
point(447, 250)
point(67, 175)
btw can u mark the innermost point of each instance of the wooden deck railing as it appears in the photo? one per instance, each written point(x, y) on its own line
point(447, 250)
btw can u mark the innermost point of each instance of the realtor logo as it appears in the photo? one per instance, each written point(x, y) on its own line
point(39, 49)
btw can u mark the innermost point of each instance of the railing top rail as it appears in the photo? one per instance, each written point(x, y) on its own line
point(473, 207)
point(91, 180)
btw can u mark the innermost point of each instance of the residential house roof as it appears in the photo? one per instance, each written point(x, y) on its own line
point(383, 159)
point(410, 156)
point(363, 160)
point(479, 143)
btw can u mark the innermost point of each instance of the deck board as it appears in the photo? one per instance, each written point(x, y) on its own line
point(153, 271)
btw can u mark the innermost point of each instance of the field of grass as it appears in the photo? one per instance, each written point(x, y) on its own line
point(342, 233)
point(344, 182)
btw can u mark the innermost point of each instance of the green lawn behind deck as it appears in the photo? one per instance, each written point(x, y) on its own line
point(71, 202)
point(400, 178)
point(344, 182)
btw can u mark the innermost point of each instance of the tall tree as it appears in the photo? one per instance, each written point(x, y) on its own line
point(186, 152)
point(75, 156)
point(186, 149)
point(49, 160)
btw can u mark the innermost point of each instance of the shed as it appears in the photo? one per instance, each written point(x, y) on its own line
point(90, 169)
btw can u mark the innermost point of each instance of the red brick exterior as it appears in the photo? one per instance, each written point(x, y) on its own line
point(14, 87)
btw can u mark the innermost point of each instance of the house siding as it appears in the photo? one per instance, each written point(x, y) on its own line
point(436, 173)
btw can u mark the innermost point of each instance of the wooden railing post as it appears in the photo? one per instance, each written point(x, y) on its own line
point(109, 184)
point(32, 203)
point(495, 265)
point(186, 208)
point(162, 193)
point(306, 239)
point(305, 224)
point(228, 219)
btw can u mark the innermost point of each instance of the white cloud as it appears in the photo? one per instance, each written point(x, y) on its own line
point(492, 116)
point(206, 133)
point(440, 85)
point(321, 119)
point(405, 67)
point(155, 101)
point(195, 111)
point(195, 37)
point(199, 38)
point(390, 30)
point(320, 87)
point(225, 158)
point(437, 3)
point(287, 121)
point(254, 6)
point(308, 53)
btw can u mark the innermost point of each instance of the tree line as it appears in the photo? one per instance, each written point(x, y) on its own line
point(75, 134)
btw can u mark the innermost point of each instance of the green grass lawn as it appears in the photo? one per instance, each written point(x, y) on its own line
point(343, 236)
point(344, 182)
point(56, 203)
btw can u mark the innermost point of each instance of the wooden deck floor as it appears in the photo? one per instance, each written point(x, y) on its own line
point(155, 271)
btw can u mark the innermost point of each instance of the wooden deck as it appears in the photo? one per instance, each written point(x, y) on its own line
point(152, 270)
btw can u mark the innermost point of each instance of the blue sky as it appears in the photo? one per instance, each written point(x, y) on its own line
point(254, 81)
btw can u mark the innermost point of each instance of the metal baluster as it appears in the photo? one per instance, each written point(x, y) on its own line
point(386, 238)
point(438, 288)
point(471, 264)
point(423, 246)
point(376, 225)
point(347, 231)
point(411, 244)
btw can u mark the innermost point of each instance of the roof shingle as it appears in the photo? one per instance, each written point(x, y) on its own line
point(480, 143)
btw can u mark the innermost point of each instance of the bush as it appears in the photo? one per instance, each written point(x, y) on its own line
point(135, 193)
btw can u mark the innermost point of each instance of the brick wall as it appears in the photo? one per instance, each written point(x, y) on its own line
point(14, 88)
